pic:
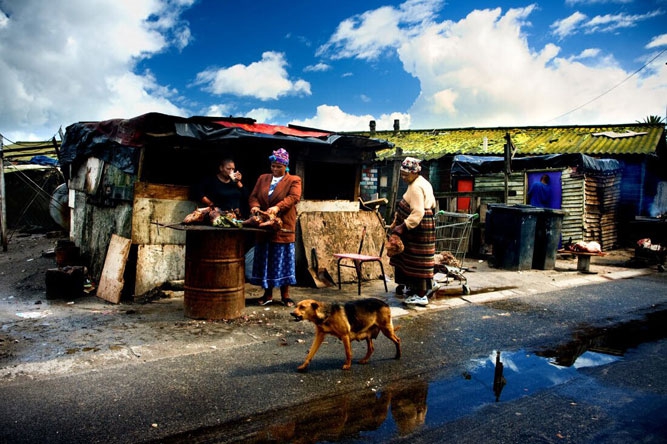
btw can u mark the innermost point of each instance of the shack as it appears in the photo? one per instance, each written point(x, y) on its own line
point(602, 201)
point(133, 177)
point(29, 175)
point(587, 189)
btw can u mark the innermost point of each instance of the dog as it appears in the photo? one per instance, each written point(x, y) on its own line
point(356, 320)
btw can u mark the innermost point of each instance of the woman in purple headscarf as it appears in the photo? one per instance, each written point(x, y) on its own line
point(414, 222)
point(276, 193)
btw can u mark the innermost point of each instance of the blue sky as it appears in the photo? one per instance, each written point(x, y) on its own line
point(332, 65)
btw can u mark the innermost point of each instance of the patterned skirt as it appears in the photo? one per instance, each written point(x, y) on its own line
point(414, 267)
point(273, 265)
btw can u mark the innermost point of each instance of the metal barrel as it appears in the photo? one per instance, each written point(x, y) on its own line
point(214, 274)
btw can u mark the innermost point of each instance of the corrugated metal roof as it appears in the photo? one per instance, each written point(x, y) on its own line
point(24, 151)
point(603, 140)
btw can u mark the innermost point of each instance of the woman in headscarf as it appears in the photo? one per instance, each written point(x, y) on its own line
point(276, 193)
point(414, 222)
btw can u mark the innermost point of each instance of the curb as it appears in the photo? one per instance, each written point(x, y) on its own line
point(400, 309)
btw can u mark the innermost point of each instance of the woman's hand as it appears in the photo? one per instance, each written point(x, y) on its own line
point(273, 210)
point(254, 210)
point(399, 229)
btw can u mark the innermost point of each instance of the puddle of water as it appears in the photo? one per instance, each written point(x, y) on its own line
point(615, 340)
point(405, 406)
point(491, 290)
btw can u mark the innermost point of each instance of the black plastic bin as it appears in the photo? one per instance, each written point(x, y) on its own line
point(511, 229)
point(547, 238)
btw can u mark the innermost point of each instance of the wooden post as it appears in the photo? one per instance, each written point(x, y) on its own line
point(509, 154)
point(393, 194)
point(3, 200)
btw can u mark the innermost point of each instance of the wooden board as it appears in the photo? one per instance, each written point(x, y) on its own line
point(111, 282)
point(340, 232)
point(157, 264)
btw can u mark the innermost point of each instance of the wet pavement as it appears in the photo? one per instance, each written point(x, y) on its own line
point(146, 370)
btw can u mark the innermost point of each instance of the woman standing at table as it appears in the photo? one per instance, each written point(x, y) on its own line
point(276, 193)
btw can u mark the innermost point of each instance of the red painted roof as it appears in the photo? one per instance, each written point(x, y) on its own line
point(265, 128)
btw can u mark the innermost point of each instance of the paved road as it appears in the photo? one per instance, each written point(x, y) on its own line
point(252, 393)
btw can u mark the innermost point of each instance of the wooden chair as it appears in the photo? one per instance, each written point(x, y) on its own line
point(357, 260)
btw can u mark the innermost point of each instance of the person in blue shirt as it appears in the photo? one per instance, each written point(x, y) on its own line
point(539, 193)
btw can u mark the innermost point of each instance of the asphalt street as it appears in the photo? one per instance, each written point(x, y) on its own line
point(250, 391)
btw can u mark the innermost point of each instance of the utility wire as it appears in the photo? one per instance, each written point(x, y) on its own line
point(610, 89)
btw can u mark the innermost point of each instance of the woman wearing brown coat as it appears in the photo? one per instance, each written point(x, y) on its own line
point(276, 193)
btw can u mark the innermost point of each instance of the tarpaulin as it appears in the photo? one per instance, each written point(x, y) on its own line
point(118, 141)
point(474, 165)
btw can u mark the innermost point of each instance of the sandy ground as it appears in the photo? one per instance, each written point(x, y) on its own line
point(41, 337)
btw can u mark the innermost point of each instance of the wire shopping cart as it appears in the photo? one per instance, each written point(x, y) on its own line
point(452, 237)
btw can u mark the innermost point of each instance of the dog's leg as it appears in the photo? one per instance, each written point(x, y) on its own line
point(319, 338)
point(370, 348)
point(348, 352)
point(389, 332)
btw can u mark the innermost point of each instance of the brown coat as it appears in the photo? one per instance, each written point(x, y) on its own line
point(285, 196)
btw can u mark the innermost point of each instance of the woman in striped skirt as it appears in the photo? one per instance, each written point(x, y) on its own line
point(414, 222)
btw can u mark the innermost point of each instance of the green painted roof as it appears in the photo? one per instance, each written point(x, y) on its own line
point(603, 140)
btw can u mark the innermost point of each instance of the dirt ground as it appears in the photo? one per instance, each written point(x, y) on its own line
point(40, 337)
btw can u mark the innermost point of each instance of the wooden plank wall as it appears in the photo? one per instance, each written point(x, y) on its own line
point(160, 250)
point(602, 201)
point(572, 188)
point(493, 183)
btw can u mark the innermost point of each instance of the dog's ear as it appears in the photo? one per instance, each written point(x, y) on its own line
point(314, 305)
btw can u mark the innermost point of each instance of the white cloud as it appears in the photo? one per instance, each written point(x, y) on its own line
point(569, 25)
point(219, 110)
point(266, 79)
point(264, 115)
point(588, 53)
point(612, 22)
point(578, 22)
point(658, 41)
point(332, 118)
point(367, 36)
point(481, 71)
point(54, 73)
point(594, 2)
point(318, 67)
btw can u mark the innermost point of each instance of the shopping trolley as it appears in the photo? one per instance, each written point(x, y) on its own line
point(452, 238)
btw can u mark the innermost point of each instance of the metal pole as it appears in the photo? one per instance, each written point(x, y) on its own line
point(3, 201)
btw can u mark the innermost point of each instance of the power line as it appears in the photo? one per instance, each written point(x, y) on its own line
point(610, 89)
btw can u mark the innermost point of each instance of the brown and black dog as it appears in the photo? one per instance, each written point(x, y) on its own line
point(355, 320)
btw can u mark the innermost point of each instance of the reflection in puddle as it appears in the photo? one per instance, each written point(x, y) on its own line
point(398, 410)
point(402, 407)
point(615, 340)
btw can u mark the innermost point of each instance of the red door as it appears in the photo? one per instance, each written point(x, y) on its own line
point(463, 203)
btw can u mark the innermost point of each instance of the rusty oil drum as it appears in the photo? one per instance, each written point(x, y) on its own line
point(214, 274)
